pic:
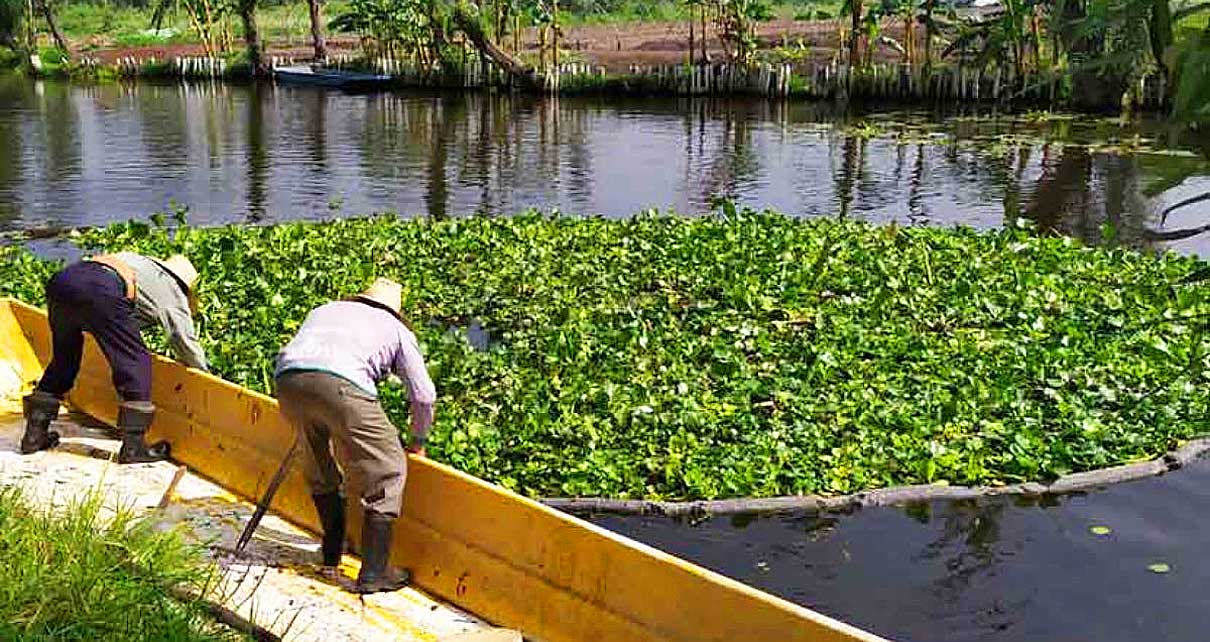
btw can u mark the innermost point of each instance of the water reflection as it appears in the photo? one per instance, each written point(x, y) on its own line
point(82, 155)
point(999, 569)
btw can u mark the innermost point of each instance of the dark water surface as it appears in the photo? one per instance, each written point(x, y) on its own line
point(1002, 570)
point(80, 155)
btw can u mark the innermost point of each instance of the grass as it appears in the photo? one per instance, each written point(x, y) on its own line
point(81, 574)
point(628, 11)
point(95, 25)
point(737, 355)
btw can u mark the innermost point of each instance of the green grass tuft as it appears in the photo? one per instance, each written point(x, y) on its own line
point(86, 574)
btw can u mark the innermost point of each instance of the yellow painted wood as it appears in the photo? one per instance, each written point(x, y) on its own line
point(508, 559)
point(19, 366)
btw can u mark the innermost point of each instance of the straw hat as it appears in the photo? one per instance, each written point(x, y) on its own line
point(182, 269)
point(385, 292)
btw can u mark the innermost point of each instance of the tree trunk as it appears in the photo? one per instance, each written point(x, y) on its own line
point(855, 41)
point(31, 39)
point(317, 31)
point(470, 26)
point(49, 14)
point(692, 29)
point(928, 37)
point(1160, 31)
point(247, 13)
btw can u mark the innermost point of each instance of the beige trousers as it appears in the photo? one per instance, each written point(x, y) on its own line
point(335, 417)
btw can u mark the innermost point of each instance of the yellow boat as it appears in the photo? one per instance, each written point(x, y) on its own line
point(507, 559)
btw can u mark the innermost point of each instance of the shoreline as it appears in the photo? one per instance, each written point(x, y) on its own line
point(879, 83)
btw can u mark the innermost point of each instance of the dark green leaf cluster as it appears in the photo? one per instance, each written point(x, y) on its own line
point(740, 355)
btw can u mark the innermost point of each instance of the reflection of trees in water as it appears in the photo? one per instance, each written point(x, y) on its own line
point(13, 91)
point(257, 152)
point(438, 129)
point(967, 541)
point(850, 173)
point(161, 115)
point(490, 145)
point(60, 133)
point(720, 153)
point(316, 131)
point(577, 133)
point(1080, 193)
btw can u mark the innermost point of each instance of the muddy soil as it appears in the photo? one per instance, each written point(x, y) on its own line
point(614, 46)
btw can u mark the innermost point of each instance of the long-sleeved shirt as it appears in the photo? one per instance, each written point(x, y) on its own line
point(365, 345)
point(160, 300)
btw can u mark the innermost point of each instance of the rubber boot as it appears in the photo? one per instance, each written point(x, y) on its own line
point(40, 408)
point(331, 509)
point(375, 577)
point(134, 418)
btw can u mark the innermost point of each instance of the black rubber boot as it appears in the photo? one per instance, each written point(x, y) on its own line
point(134, 418)
point(40, 408)
point(331, 509)
point(375, 577)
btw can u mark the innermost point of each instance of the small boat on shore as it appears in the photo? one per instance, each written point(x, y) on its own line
point(321, 77)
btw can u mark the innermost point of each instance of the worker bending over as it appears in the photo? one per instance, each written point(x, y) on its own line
point(327, 380)
point(113, 297)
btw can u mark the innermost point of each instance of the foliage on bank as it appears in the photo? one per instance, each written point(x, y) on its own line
point(81, 574)
point(742, 355)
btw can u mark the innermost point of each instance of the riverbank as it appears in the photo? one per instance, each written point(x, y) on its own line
point(880, 83)
point(752, 355)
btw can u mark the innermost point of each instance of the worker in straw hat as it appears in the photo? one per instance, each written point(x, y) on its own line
point(327, 380)
point(112, 297)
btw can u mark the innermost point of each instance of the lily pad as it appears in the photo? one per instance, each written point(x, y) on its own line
point(1100, 530)
point(1159, 568)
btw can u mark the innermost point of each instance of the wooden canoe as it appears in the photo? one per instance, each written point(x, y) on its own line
point(335, 78)
point(505, 558)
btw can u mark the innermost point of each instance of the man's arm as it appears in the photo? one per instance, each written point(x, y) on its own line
point(182, 337)
point(409, 365)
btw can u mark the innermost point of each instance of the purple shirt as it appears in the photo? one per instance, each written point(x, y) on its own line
point(365, 345)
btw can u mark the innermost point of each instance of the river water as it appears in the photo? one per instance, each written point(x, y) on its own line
point(76, 155)
point(994, 570)
point(1001, 570)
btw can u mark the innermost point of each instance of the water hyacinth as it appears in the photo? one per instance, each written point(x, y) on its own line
point(742, 355)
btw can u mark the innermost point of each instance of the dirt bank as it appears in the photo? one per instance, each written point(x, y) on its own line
point(614, 46)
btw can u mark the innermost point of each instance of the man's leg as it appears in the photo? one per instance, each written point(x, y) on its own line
point(368, 446)
point(67, 345)
point(305, 399)
point(113, 325)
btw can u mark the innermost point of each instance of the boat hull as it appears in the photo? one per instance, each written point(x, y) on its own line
point(483, 548)
point(328, 78)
